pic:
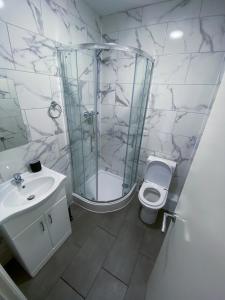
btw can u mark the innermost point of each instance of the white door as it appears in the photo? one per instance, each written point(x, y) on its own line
point(8, 289)
point(191, 263)
point(58, 221)
point(34, 244)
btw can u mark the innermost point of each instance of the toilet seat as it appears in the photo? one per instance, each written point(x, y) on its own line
point(154, 188)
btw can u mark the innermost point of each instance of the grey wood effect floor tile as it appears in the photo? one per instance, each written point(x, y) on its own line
point(138, 284)
point(152, 243)
point(61, 291)
point(87, 263)
point(38, 287)
point(83, 227)
point(123, 255)
point(107, 287)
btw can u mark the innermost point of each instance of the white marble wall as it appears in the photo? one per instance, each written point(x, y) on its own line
point(186, 74)
point(30, 32)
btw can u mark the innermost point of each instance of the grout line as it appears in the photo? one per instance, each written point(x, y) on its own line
point(101, 227)
point(11, 48)
point(151, 259)
point(72, 287)
point(107, 271)
point(102, 265)
point(161, 23)
point(201, 8)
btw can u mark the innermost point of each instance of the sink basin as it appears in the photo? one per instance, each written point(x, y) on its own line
point(35, 188)
point(31, 190)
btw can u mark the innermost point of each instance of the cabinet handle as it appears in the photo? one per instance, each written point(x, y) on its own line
point(42, 226)
point(50, 218)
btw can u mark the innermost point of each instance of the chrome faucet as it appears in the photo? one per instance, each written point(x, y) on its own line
point(17, 179)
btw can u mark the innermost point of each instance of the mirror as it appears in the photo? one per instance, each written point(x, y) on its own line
point(13, 131)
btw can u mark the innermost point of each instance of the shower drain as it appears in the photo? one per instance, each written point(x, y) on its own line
point(31, 197)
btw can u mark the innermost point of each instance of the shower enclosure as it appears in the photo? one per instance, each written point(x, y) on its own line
point(106, 88)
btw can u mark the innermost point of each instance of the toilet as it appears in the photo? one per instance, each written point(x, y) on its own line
point(153, 192)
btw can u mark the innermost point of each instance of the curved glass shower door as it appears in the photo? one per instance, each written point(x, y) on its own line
point(142, 80)
point(106, 90)
point(78, 70)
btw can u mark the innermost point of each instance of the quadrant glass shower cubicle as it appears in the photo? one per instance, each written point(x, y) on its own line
point(106, 88)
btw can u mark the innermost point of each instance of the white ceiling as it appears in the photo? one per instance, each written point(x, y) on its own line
point(106, 7)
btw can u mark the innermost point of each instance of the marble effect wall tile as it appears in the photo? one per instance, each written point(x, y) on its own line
point(47, 127)
point(211, 8)
point(124, 20)
point(189, 98)
point(191, 40)
point(26, 15)
point(85, 67)
point(6, 58)
point(84, 13)
point(16, 160)
point(110, 37)
point(123, 96)
point(171, 68)
point(107, 93)
point(213, 33)
point(199, 35)
point(93, 36)
point(121, 116)
point(33, 90)
point(70, 21)
point(160, 120)
point(205, 68)
point(152, 39)
point(176, 147)
point(108, 68)
point(55, 12)
point(147, 38)
point(170, 11)
point(126, 68)
point(107, 119)
point(33, 52)
point(183, 121)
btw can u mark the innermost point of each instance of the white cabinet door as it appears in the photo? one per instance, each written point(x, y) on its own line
point(33, 244)
point(58, 221)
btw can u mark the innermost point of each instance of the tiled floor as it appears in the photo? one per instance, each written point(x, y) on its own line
point(107, 257)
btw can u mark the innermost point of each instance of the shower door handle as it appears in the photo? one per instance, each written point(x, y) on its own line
point(91, 143)
point(133, 139)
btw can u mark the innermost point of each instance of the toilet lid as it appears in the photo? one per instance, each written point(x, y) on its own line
point(159, 173)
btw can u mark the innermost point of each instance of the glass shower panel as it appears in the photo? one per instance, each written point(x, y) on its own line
point(86, 65)
point(115, 94)
point(78, 81)
point(142, 113)
point(136, 123)
point(68, 61)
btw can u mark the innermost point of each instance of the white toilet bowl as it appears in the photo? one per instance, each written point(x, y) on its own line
point(154, 190)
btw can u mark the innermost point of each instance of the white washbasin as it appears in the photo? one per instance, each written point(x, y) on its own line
point(35, 188)
point(29, 191)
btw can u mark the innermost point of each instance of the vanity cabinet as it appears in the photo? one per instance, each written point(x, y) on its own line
point(35, 236)
point(33, 244)
point(57, 224)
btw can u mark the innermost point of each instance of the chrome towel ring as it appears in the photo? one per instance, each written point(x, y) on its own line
point(54, 110)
